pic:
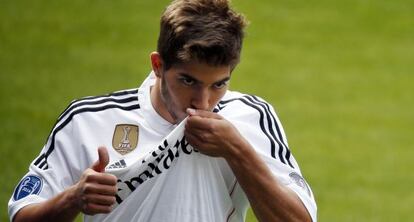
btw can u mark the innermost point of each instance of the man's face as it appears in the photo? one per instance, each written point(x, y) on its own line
point(193, 85)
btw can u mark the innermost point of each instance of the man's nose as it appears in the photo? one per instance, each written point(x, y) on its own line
point(200, 99)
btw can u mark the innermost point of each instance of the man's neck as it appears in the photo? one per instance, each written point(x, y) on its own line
point(158, 104)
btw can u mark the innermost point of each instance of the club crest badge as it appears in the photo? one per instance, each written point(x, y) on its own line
point(30, 184)
point(125, 138)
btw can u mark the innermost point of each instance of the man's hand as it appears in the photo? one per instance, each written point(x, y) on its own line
point(95, 191)
point(93, 194)
point(211, 134)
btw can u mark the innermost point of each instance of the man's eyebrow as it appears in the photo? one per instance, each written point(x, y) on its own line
point(224, 80)
point(188, 76)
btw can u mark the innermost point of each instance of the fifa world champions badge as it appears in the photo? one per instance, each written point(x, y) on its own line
point(125, 138)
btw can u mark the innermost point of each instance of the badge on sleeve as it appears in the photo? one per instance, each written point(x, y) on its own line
point(299, 181)
point(30, 184)
point(125, 138)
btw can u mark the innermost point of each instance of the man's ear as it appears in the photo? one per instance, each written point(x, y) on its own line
point(156, 63)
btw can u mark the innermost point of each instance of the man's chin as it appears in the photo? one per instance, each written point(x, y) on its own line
point(178, 117)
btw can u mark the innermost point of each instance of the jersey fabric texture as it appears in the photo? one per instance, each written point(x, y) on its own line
point(160, 176)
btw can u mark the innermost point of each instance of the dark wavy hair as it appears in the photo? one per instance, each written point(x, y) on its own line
point(207, 31)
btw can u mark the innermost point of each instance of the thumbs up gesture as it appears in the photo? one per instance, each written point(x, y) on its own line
point(100, 164)
point(95, 191)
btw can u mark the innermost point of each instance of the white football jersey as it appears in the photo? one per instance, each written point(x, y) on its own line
point(160, 176)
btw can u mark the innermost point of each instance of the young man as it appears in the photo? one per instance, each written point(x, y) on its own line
point(182, 147)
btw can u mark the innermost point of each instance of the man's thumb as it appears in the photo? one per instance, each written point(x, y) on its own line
point(100, 164)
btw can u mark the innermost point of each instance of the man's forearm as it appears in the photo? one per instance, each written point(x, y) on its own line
point(60, 208)
point(269, 200)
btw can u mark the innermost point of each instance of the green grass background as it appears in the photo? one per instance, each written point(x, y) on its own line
point(340, 74)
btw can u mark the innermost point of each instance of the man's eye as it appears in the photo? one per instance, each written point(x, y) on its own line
point(187, 81)
point(220, 85)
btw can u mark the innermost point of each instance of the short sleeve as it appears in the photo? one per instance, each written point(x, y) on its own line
point(50, 173)
point(258, 123)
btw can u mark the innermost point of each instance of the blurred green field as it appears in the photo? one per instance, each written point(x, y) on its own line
point(340, 74)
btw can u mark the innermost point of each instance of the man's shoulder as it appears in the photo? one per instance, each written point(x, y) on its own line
point(119, 99)
point(123, 100)
point(116, 96)
point(242, 102)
